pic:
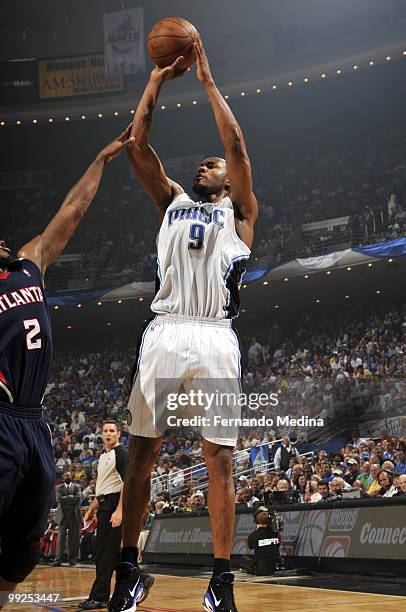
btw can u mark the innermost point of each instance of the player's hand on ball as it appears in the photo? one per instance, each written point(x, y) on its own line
point(117, 146)
point(169, 72)
point(203, 68)
point(116, 518)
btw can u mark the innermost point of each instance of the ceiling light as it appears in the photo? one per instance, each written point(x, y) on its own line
point(179, 105)
point(317, 301)
point(99, 303)
point(370, 265)
point(35, 120)
point(338, 71)
point(83, 117)
point(371, 63)
point(290, 83)
point(286, 279)
point(306, 276)
point(119, 301)
point(78, 305)
point(388, 58)
point(265, 283)
point(355, 67)
point(274, 87)
point(18, 122)
point(194, 102)
point(259, 90)
point(56, 307)
point(115, 113)
point(100, 115)
point(378, 291)
point(323, 76)
point(163, 107)
point(349, 269)
point(306, 79)
point(50, 120)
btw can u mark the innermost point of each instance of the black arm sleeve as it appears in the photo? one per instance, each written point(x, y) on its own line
point(121, 460)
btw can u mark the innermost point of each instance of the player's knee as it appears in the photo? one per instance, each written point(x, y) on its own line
point(221, 464)
point(18, 559)
point(143, 453)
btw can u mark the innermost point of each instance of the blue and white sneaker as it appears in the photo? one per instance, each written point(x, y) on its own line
point(220, 594)
point(132, 587)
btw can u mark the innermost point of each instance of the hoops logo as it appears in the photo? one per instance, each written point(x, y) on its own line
point(336, 547)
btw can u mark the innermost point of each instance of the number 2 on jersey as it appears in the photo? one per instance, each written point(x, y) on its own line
point(34, 326)
point(196, 236)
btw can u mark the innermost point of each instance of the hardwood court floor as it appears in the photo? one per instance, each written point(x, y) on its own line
point(176, 594)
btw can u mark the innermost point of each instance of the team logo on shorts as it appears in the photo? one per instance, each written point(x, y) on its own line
point(129, 417)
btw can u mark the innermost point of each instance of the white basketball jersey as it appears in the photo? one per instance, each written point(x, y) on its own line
point(201, 260)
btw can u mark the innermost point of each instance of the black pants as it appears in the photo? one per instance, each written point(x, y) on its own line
point(70, 525)
point(264, 567)
point(108, 544)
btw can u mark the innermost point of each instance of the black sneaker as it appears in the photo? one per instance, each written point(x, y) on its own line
point(220, 594)
point(92, 604)
point(132, 587)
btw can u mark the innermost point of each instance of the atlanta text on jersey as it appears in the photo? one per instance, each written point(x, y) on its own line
point(20, 297)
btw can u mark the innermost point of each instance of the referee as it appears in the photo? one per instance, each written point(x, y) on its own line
point(108, 503)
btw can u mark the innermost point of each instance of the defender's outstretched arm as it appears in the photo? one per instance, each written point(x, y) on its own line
point(46, 247)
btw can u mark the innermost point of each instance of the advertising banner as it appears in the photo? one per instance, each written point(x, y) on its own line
point(75, 76)
point(353, 533)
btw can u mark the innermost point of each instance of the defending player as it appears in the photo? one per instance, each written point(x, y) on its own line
point(202, 252)
point(27, 470)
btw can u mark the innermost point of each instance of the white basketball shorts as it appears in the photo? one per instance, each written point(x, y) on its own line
point(188, 374)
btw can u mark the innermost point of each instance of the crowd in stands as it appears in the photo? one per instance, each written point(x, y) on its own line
point(366, 185)
point(315, 369)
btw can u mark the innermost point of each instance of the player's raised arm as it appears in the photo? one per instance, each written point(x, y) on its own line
point(238, 163)
point(46, 247)
point(145, 162)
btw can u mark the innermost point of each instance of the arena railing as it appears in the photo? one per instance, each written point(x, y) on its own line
point(189, 480)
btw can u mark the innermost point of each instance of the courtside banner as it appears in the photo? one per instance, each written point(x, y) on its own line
point(344, 531)
point(79, 75)
point(124, 42)
point(188, 535)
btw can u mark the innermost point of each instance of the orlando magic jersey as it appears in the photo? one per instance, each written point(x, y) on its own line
point(201, 260)
point(25, 335)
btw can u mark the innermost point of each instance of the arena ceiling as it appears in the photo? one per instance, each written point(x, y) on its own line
point(61, 27)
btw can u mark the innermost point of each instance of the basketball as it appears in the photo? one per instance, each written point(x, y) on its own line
point(168, 39)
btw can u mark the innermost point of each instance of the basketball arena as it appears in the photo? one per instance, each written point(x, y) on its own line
point(202, 305)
